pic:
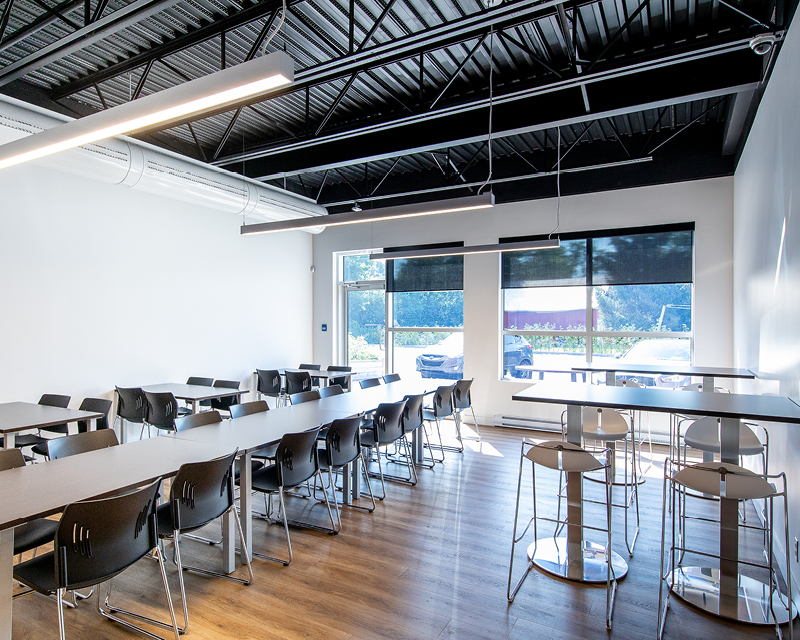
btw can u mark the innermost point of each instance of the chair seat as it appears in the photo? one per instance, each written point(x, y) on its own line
point(704, 435)
point(267, 453)
point(34, 534)
point(29, 440)
point(428, 415)
point(37, 573)
point(266, 479)
point(605, 433)
point(740, 483)
point(255, 465)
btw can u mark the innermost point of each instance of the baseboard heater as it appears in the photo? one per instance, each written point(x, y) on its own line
point(518, 422)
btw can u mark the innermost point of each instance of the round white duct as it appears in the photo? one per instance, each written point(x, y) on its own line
point(135, 165)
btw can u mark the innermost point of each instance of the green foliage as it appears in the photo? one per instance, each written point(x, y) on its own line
point(358, 349)
point(418, 338)
point(643, 307)
point(429, 309)
point(360, 268)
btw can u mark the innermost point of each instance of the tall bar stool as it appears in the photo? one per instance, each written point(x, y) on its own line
point(609, 427)
point(636, 428)
point(756, 602)
point(550, 553)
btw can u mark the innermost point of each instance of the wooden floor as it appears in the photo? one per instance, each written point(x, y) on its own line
point(430, 562)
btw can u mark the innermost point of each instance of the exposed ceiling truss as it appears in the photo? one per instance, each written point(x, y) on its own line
point(391, 99)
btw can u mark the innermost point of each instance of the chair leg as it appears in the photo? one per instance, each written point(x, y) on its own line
point(512, 593)
point(60, 601)
point(285, 525)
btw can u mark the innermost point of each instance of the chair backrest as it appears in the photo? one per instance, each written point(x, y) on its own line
point(200, 382)
point(391, 377)
point(269, 382)
point(304, 396)
point(443, 401)
point(201, 492)
point(331, 390)
point(162, 409)
point(226, 402)
point(98, 405)
point(249, 408)
point(296, 457)
point(412, 414)
point(462, 398)
point(98, 539)
point(297, 382)
point(11, 459)
point(370, 382)
point(344, 381)
point(131, 404)
point(342, 441)
point(310, 367)
point(563, 456)
point(55, 400)
point(200, 419)
point(387, 422)
point(81, 443)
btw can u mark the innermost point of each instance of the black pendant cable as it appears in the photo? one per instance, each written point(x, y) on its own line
point(491, 105)
point(558, 187)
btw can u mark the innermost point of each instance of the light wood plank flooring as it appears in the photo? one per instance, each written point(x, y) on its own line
point(430, 562)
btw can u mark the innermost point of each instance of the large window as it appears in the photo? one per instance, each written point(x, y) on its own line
point(609, 295)
point(405, 316)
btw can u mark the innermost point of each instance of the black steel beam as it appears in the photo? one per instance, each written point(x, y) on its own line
point(112, 23)
point(638, 88)
point(44, 20)
point(6, 15)
point(212, 30)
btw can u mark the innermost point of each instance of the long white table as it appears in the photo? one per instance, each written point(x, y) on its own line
point(22, 416)
point(723, 592)
point(40, 490)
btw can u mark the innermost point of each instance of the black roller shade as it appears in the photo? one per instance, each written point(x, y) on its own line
point(445, 273)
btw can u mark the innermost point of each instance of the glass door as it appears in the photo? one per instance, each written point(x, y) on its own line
point(366, 329)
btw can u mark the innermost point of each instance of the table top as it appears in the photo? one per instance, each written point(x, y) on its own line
point(669, 368)
point(193, 391)
point(253, 432)
point(718, 405)
point(39, 490)
point(320, 374)
point(18, 416)
point(360, 400)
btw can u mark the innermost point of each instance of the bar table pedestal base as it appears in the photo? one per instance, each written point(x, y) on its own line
point(550, 555)
point(699, 586)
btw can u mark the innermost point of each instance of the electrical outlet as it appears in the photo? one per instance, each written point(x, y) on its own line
point(796, 549)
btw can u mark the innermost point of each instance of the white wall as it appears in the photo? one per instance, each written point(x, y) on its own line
point(102, 286)
point(767, 253)
point(707, 202)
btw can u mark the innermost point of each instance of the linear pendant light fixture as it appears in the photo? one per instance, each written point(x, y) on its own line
point(468, 203)
point(530, 245)
point(247, 80)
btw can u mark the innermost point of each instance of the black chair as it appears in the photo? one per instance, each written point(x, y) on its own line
point(31, 440)
point(462, 400)
point(297, 382)
point(95, 541)
point(311, 367)
point(391, 377)
point(161, 411)
point(343, 446)
point(131, 407)
point(370, 382)
point(269, 384)
point(200, 493)
point(331, 390)
point(387, 429)
point(226, 402)
point(249, 408)
point(37, 532)
point(305, 396)
point(81, 443)
point(296, 462)
point(98, 405)
point(200, 382)
point(442, 408)
point(413, 421)
point(200, 419)
point(344, 381)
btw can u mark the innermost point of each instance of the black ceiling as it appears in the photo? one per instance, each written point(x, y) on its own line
point(391, 100)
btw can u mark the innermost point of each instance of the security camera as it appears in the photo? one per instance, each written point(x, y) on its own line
point(762, 43)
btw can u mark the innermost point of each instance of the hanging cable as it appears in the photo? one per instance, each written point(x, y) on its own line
point(558, 185)
point(272, 35)
point(491, 105)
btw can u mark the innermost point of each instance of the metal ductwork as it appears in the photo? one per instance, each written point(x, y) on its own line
point(137, 165)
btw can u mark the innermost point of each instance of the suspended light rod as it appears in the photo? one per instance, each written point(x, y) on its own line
point(532, 245)
point(468, 203)
point(246, 80)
